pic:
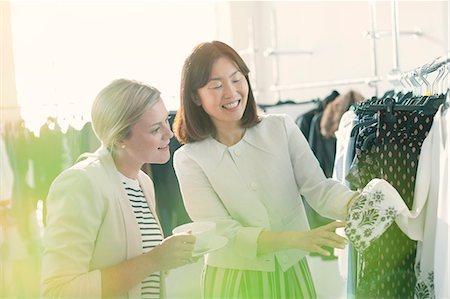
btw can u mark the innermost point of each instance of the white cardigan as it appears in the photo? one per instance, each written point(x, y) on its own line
point(90, 226)
point(254, 185)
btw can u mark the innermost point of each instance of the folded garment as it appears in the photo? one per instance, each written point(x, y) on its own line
point(372, 213)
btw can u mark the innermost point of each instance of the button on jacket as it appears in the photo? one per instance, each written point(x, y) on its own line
point(90, 226)
point(254, 185)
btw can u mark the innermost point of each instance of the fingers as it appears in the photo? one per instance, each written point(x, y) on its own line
point(183, 244)
point(333, 225)
point(187, 258)
point(185, 238)
point(194, 259)
point(331, 239)
point(184, 241)
point(336, 238)
point(332, 243)
point(321, 251)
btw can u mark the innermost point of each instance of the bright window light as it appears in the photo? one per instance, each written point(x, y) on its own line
point(65, 52)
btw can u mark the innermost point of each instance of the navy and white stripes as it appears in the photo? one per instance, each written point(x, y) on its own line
point(150, 232)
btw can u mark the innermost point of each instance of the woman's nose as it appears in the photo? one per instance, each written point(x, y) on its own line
point(229, 90)
point(167, 131)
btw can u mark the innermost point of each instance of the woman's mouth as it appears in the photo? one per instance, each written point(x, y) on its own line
point(165, 147)
point(231, 105)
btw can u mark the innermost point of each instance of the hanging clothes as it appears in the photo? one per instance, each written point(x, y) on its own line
point(389, 148)
point(319, 126)
point(19, 142)
point(344, 156)
point(324, 149)
point(433, 251)
point(49, 155)
point(7, 176)
point(88, 141)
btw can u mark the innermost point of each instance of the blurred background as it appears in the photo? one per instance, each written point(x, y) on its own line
point(56, 56)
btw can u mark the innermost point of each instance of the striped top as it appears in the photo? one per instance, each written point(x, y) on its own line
point(150, 232)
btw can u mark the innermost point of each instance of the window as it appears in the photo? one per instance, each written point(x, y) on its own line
point(65, 52)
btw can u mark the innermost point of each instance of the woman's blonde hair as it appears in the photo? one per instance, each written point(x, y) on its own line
point(118, 107)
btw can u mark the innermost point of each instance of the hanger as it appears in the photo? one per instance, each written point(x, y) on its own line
point(405, 98)
point(367, 141)
point(437, 81)
point(444, 86)
point(364, 123)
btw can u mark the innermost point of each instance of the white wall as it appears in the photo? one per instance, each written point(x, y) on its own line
point(9, 110)
point(64, 52)
point(334, 31)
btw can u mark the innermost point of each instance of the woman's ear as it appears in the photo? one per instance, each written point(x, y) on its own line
point(196, 99)
point(120, 144)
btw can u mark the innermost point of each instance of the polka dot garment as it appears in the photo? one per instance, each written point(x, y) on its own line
point(386, 268)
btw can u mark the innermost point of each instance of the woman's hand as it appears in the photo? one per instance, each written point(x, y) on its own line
point(173, 252)
point(313, 240)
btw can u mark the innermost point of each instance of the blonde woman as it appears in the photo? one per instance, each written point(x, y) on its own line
point(103, 237)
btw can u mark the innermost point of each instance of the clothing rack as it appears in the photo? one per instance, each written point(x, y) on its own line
point(373, 34)
point(416, 77)
point(395, 36)
point(251, 52)
point(365, 80)
point(275, 52)
point(289, 102)
point(427, 102)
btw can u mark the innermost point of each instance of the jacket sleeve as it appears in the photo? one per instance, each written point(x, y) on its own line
point(74, 215)
point(203, 204)
point(328, 197)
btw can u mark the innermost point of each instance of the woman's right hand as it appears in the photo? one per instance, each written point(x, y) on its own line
point(174, 251)
point(313, 240)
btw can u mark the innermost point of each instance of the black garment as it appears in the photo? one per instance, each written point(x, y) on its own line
point(325, 151)
point(386, 268)
point(19, 145)
point(324, 148)
point(304, 121)
point(88, 141)
point(49, 161)
point(72, 138)
point(167, 192)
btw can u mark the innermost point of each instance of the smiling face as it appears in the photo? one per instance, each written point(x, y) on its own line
point(224, 97)
point(148, 141)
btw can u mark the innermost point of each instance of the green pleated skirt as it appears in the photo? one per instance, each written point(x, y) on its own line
point(225, 283)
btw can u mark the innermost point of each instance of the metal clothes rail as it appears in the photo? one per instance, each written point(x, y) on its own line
point(366, 80)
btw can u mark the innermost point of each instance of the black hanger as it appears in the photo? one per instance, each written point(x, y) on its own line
point(364, 123)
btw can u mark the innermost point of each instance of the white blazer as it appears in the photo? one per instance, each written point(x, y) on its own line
point(90, 226)
point(254, 185)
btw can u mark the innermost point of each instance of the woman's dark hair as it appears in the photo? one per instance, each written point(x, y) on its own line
point(191, 122)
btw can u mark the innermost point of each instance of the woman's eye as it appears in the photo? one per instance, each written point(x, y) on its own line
point(156, 130)
point(236, 78)
point(215, 86)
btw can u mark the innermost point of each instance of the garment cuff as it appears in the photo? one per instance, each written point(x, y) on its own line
point(371, 214)
point(247, 241)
